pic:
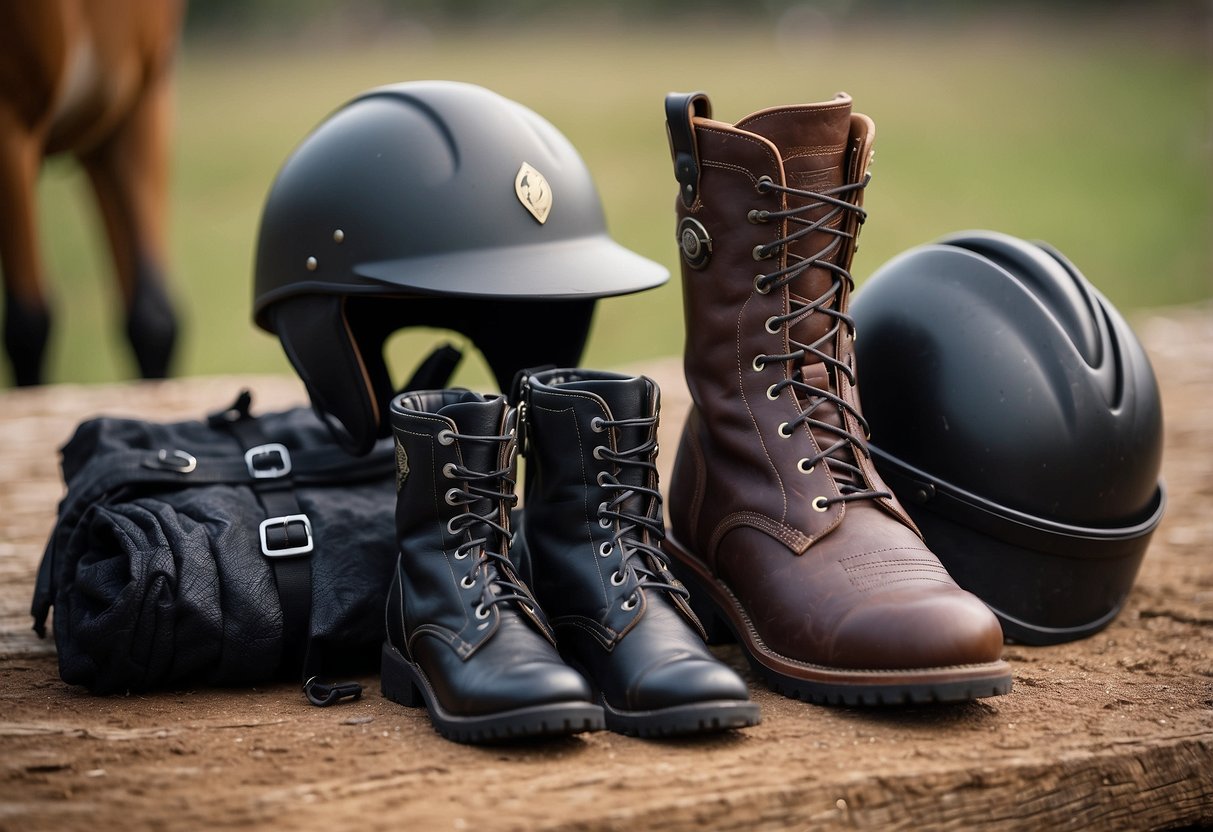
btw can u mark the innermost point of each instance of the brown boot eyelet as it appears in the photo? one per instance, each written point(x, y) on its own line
point(785, 430)
point(759, 363)
point(800, 466)
point(760, 284)
point(773, 330)
point(772, 392)
point(819, 504)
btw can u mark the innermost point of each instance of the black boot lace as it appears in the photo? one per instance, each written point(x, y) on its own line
point(487, 538)
point(635, 510)
point(845, 472)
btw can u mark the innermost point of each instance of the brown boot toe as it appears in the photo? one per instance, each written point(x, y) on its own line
point(917, 628)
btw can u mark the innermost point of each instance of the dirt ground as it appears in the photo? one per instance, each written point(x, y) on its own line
point(1115, 731)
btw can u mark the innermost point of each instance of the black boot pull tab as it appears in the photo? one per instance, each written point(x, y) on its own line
point(680, 108)
point(322, 694)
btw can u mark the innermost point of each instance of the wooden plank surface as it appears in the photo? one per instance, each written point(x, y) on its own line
point(1115, 731)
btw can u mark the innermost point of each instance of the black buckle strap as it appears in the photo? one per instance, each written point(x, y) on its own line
point(287, 542)
point(268, 461)
point(286, 536)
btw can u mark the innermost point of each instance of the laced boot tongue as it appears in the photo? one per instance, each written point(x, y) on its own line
point(477, 416)
point(627, 398)
point(812, 141)
point(817, 376)
point(813, 144)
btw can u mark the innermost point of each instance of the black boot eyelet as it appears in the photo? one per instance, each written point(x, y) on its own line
point(481, 612)
point(630, 603)
point(618, 578)
point(468, 582)
point(452, 496)
point(605, 550)
point(448, 470)
point(596, 424)
point(599, 450)
point(446, 437)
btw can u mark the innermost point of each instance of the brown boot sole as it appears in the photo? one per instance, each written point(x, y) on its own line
point(716, 605)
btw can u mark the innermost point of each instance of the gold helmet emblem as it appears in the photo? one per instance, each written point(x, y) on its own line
point(533, 192)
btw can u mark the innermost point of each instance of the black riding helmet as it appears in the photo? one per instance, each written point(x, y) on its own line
point(436, 204)
point(1018, 419)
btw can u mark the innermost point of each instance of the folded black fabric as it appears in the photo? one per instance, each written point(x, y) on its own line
point(224, 551)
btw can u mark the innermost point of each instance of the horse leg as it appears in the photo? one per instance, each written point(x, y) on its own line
point(129, 172)
point(26, 316)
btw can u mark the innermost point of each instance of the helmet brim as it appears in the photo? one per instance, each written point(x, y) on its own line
point(581, 268)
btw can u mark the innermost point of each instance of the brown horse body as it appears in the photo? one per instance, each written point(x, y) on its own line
point(89, 77)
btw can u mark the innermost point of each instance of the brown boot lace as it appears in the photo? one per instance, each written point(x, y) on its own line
point(846, 473)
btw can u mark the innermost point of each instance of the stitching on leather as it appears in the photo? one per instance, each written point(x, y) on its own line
point(792, 538)
point(726, 166)
point(446, 556)
point(741, 136)
point(697, 494)
point(807, 151)
point(585, 488)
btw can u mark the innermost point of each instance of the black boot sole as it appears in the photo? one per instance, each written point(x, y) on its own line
point(404, 683)
point(682, 720)
point(725, 620)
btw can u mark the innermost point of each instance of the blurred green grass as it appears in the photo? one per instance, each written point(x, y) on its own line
point(1093, 136)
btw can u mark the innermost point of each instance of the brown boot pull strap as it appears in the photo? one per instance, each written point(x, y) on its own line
point(680, 108)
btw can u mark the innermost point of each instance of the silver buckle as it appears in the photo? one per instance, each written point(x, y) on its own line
point(273, 448)
point(284, 521)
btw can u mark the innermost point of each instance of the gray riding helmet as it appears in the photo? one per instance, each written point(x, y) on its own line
point(1017, 418)
point(436, 204)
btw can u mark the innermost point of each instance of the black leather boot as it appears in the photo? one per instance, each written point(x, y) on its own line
point(593, 528)
point(464, 634)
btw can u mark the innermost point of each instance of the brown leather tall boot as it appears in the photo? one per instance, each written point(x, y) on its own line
point(779, 522)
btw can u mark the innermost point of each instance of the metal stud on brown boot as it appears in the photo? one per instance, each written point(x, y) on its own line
point(780, 524)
